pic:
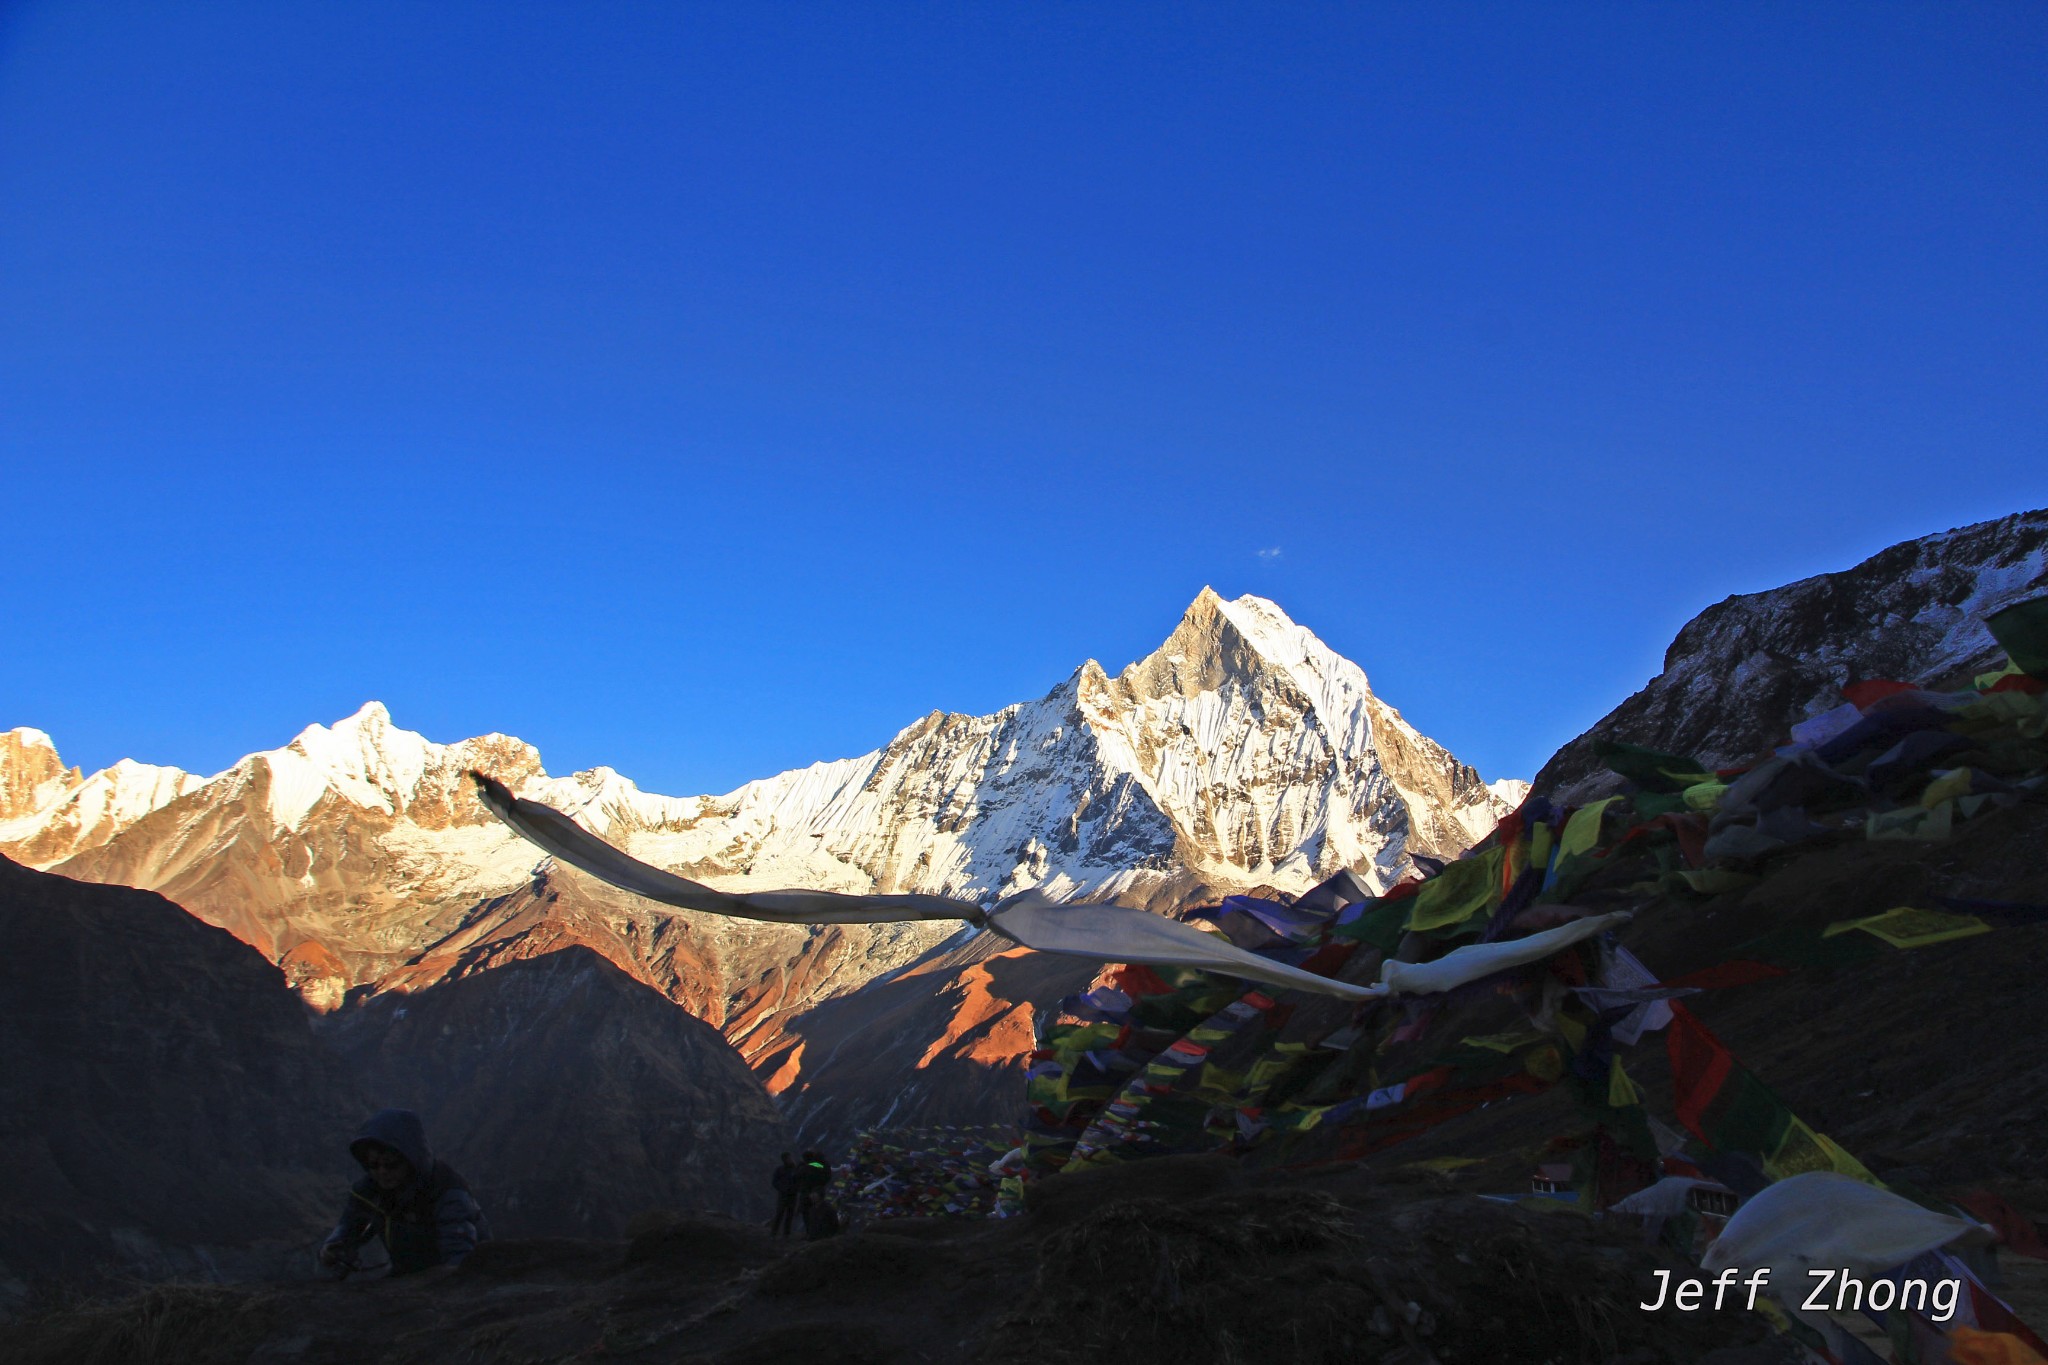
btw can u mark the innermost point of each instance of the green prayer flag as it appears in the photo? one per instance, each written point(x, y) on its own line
point(2022, 629)
point(1650, 769)
point(1380, 927)
point(1650, 805)
point(1457, 893)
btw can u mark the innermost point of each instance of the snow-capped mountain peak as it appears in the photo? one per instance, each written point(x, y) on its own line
point(365, 756)
point(1242, 752)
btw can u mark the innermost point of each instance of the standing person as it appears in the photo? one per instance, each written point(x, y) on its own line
point(420, 1208)
point(813, 1177)
point(786, 1179)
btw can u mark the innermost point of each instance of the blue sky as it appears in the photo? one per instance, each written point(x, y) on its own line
point(709, 389)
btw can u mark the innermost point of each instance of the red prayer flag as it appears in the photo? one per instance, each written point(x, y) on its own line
point(1740, 972)
point(1861, 694)
point(2015, 1230)
point(1138, 981)
point(1700, 1066)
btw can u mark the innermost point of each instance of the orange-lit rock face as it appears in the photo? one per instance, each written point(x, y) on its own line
point(945, 1041)
point(792, 1067)
point(320, 978)
point(984, 1027)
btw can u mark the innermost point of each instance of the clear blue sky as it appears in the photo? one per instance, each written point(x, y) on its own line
point(709, 389)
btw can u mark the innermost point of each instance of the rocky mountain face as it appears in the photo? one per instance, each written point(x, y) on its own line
point(31, 775)
point(1243, 752)
point(1745, 670)
point(946, 1040)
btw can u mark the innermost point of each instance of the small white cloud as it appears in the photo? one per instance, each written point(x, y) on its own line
point(1270, 552)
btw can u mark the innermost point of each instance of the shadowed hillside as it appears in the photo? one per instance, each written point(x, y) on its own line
point(164, 1103)
point(576, 1095)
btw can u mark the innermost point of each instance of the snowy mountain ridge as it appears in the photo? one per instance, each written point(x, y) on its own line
point(1242, 752)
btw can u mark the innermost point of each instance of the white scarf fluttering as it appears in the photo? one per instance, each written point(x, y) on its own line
point(1105, 933)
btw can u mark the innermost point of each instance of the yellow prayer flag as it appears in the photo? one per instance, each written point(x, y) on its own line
point(1946, 787)
point(1582, 831)
point(1505, 1042)
point(1906, 927)
point(1457, 893)
point(1704, 795)
point(1621, 1091)
point(1805, 1149)
point(1970, 1346)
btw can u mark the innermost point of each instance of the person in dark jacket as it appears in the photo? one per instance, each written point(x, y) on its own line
point(814, 1177)
point(420, 1208)
point(785, 1180)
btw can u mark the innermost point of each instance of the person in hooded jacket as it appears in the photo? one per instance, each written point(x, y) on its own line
point(420, 1208)
point(814, 1177)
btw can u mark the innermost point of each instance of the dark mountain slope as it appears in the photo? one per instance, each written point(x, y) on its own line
point(570, 1095)
point(164, 1104)
point(169, 1107)
point(1190, 1260)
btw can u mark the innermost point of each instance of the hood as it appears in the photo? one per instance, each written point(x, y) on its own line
point(400, 1130)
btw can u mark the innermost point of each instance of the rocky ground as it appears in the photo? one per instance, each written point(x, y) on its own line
point(1746, 669)
point(1188, 1259)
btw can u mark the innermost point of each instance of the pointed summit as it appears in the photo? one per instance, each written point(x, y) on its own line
point(366, 756)
point(1219, 640)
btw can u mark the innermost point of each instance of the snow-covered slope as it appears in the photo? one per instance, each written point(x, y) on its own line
point(98, 809)
point(1242, 752)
